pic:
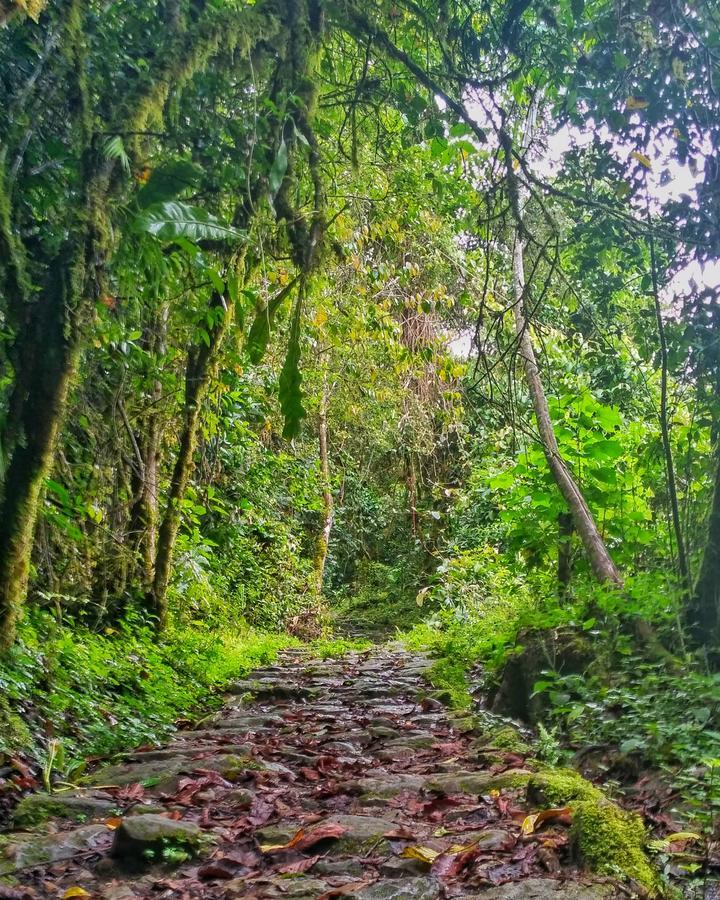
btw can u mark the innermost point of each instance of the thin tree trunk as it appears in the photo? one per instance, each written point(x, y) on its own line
point(144, 515)
point(328, 507)
point(600, 560)
point(703, 613)
point(683, 565)
point(202, 362)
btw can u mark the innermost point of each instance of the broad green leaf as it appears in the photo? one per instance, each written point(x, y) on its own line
point(174, 219)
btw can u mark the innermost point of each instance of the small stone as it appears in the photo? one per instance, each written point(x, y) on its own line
point(386, 786)
point(137, 835)
point(352, 867)
point(399, 868)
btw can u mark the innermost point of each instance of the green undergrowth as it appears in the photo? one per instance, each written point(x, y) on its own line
point(89, 693)
point(334, 648)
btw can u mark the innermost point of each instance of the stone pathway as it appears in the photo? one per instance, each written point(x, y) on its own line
point(318, 779)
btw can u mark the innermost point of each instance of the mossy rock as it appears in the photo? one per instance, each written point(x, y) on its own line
point(611, 841)
point(505, 737)
point(604, 837)
point(140, 839)
point(37, 808)
point(559, 787)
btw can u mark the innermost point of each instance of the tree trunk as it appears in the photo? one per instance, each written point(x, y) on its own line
point(703, 613)
point(683, 564)
point(598, 555)
point(328, 507)
point(202, 362)
point(41, 415)
point(144, 514)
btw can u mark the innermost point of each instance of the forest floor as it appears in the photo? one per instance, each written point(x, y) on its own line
point(317, 779)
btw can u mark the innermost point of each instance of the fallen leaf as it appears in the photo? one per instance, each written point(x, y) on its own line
point(75, 891)
point(450, 865)
point(130, 792)
point(403, 833)
point(307, 838)
point(218, 868)
point(424, 854)
point(531, 822)
point(113, 821)
point(297, 868)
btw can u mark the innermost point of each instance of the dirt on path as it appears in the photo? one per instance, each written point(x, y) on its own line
point(318, 779)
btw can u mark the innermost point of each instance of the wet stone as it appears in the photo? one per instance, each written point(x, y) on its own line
point(404, 889)
point(23, 850)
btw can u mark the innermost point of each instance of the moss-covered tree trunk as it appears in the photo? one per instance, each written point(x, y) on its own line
point(46, 383)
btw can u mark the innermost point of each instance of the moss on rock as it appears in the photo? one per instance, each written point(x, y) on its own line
point(14, 733)
point(604, 837)
point(611, 841)
point(558, 787)
point(504, 737)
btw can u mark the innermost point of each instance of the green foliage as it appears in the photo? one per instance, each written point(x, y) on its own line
point(99, 693)
point(335, 648)
point(173, 219)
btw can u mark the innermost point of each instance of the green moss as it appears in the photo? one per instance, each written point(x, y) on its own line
point(449, 676)
point(508, 780)
point(611, 841)
point(504, 737)
point(559, 787)
point(14, 733)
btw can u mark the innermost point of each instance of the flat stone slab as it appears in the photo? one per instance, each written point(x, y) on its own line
point(549, 889)
point(24, 850)
point(76, 806)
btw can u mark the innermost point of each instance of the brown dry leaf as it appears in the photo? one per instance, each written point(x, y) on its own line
point(307, 838)
point(450, 865)
point(297, 868)
point(113, 821)
point(403, 833)
point(218, 868)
